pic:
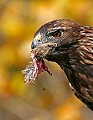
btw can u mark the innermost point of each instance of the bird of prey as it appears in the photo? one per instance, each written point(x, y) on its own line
point(70, 45)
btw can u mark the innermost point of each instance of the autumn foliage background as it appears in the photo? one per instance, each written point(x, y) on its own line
point(51, 97)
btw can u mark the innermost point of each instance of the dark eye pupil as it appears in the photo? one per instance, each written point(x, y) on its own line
point(56, 34)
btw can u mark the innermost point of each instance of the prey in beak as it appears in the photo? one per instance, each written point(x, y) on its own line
point(38, 52)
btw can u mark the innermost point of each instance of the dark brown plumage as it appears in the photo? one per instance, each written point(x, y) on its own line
point(74, 54)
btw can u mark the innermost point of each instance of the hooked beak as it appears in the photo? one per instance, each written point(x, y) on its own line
point(37, 41)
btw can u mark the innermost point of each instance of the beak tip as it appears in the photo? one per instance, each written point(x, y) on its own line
point(32, 45)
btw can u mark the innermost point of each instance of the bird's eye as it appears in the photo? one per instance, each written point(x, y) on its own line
point(56, 34)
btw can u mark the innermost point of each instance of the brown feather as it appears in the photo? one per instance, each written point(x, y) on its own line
point(74, 54)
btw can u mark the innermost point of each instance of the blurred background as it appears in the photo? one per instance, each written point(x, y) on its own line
point(51, 97)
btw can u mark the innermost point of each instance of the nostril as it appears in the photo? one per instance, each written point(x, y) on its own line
point(39, 40)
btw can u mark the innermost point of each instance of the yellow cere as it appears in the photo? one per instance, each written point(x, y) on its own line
point(38, 37)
